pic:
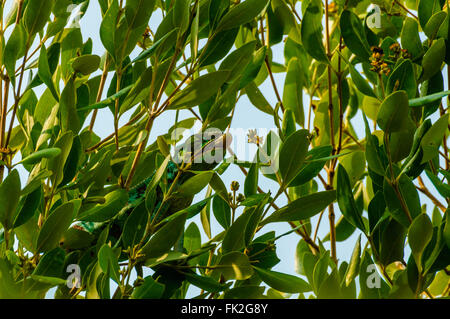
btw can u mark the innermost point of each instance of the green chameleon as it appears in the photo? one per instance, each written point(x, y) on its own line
point(137, 195)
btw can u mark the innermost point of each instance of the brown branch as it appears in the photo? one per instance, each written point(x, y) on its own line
point(100, 92)
point(331, 214)
point(406, 9)
point(423, 189)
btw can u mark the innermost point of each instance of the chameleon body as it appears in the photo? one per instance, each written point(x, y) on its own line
point(137, 195)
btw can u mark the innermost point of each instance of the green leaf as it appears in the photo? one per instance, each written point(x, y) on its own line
point(432, 140)
point(218, 186)
point(410, 196)
point(222, 212)
point(419, 235)
point(219, 46)
point(346, 200)
point(330, 287)
point(293, 91)
point(242, 13)
point(199, 90)
point(45, 73)
point(9, 199)
point(68, 108)
point(432, 27)
point(425, 9)
point(446, 232)
point(257, 98)
point(353, 34)
point(192, 238)
point(195, 34)
point(361, 84)
point(164, 239)
point(108, 28)
point(320, 271)
point(292, 155)
point(138, 12)
point(151, 50)
point(158, 175)
point(433, 59)
point(181, 14)
point(205, 283)
point(314, 162)
point(288, 125)
point(254, 68)
point(29, 205)
point(107, 102)
point(393, 115)
point(234, 239)
point(392, 243)
point(39, 155)
point(302, 208)
point(195, 184)
point(139, 91)
point(245, 292)
point(283, 282)
point(353, 267)
point(46, 281)
point(164, 148)
point(55, 226)
point(9, 289)
point(14, 49)
point(51, 264)
point(372, 151)
point(312, 31)
point(442, 187)
point(234, 265)
point(114, 202)
point(238, 60)
point(424, 100)
point(134, 227)
point(410, 38)
point(36, 15)
point(86, 64)
point(251, 181)
point(109, 263)
point(56, 164)
point(150, 289)
point(402, 78)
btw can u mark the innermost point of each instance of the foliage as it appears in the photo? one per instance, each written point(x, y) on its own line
point(123, 206)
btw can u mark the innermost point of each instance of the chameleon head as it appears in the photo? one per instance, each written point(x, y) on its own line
point(207, 148)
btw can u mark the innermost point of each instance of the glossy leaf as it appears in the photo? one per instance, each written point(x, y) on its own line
point(302, 208)
point(353, 34)
point(55, 226)
point(419, 235)
point(312, 31)
point(292, 154)
point(200, 90)
point(393, 115)
point(283, 282)
point(346, 200)
point(165, 238)
point(9, 198)
point(242, 13)
point(235, 265)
